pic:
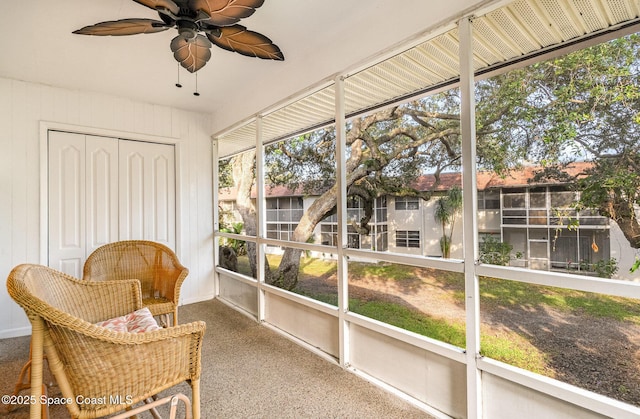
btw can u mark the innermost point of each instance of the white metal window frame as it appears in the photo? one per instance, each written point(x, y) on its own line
point(408, 238)
point(263, 129)
point(406, 203)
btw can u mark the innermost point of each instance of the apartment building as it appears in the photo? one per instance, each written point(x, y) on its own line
point(537, 219)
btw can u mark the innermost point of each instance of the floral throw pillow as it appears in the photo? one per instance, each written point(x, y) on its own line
point(139, 321)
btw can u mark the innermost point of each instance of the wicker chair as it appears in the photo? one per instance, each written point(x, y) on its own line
point(153, 264)
point(111, 370)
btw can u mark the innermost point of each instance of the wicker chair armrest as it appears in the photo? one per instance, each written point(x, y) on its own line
point(188, 335)
point(194, 330)
point(178, 283)
point(140, 365)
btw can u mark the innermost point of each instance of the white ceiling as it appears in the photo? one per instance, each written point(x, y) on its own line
point(319, 38)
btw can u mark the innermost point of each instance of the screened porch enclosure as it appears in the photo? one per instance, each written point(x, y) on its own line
point(452, 375)
point(538, 222)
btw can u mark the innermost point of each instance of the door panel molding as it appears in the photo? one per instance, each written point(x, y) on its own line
point(67, 157)
point(147, 192)
point(102, 165)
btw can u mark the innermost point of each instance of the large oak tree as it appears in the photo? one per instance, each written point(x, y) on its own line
point(585, 105)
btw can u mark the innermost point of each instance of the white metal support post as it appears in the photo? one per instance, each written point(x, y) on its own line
point(341, 183)
point(261, 220)
point(470, 206)
point(216, 216)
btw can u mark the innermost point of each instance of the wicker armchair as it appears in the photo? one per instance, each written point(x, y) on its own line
point(109, 370)
point(153, 264)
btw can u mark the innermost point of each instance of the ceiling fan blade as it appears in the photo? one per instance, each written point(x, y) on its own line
point(226, 12)
point(124, 27)
point(238, 39)
point(191, 55)
point(160, 4)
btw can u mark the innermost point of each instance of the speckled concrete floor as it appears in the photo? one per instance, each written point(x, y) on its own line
point(250, 371)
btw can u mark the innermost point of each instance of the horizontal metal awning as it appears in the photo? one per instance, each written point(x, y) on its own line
point(511, 33)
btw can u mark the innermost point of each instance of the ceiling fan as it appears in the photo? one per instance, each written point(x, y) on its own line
point(216, 19)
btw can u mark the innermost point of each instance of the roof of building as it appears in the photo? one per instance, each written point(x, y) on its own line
point(485, 180)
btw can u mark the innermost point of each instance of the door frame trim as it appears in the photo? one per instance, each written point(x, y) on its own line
point(46, 126)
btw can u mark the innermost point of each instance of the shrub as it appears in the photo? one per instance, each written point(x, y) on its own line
point(495, 252)
point(602, 268)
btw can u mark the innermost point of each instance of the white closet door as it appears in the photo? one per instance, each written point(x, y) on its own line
point(83, 197)
point(67, 202)
point(102, 191)
point(147, 192)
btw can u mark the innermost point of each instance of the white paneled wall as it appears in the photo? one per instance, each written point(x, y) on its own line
point(22, 108)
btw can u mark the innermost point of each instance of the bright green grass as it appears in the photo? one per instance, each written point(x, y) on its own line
point(494, 293)
point(510, 348)
point(400, 316)
point(318, 267)
point(390, 271)
point(504, 293)
point(403, 317)
point(515, 350)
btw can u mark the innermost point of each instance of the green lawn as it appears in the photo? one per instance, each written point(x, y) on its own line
point(507, 347)
point(503, 293)
point(504, 345)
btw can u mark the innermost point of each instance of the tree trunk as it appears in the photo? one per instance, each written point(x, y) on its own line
point(243, 176)
point(620, 211)
point(443, 240)
point(287, 274)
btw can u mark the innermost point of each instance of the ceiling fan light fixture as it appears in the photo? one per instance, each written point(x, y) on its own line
point(188, 30)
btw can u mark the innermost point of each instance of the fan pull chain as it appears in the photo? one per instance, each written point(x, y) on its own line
point(196, 63)
point(178, 83)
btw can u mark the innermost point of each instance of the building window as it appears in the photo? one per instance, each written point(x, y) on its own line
point(283, 215)
point(289, 209)
point(355, 208)
point(377, 239)
point(488, 200)
point(408, 203)
point(538, 198)
point(407, 238)
point(514, 209)
point(381, 209)
point(281, 231)
point(382, 239)
point(353, 238)
point(329, 234)
point(514, 199)
point(563, 199)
